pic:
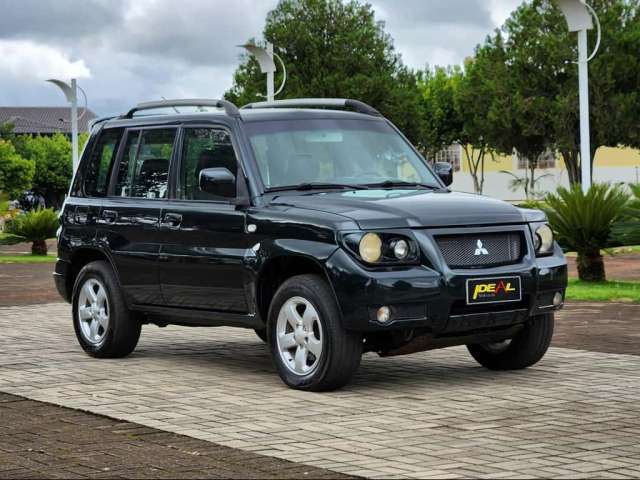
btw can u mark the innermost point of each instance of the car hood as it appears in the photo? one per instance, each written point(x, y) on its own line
point(402, 208)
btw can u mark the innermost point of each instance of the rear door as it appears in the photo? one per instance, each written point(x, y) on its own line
point(128, 223)
point(203, 234)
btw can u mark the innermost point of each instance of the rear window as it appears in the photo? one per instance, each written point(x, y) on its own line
point(144, 169)
point(103, 155)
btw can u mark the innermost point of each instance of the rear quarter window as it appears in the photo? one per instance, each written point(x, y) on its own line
point(96, 176)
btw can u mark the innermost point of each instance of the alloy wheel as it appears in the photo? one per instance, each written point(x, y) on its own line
point(299, 336)
point(93, 311)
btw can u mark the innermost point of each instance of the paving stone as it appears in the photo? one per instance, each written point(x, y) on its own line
point(434, 414)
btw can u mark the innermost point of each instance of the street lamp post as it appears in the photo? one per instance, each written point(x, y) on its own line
point(265, 57)
point(71, 94)
point(579, 19)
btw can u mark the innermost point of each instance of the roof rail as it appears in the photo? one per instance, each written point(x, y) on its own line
point(229, 108)
point(97, 121)
point(356, 105)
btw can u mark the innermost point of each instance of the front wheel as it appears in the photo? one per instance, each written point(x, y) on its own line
point(525, 349)
point(311, 349)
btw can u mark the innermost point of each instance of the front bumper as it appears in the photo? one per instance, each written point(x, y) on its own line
point(433, 297)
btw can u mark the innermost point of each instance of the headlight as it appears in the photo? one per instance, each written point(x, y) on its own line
point(370, 247)
point(383, 248)
point(542, 239)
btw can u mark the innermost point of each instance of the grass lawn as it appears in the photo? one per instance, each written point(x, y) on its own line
point(612, 251)
point(27, 258)
point(603, 291)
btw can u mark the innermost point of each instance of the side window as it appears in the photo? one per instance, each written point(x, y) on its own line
point(144, 168)
point(205, 148)
point(96, 177)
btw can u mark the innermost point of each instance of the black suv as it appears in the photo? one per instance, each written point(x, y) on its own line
point(314, 222)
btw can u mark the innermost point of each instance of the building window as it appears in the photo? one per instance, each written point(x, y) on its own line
point(452, 154)
point(546, 160)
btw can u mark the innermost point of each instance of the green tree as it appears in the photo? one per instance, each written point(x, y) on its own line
point(442, 123)
point(16, 173)
point(52, 158)
point(539, 101)
point(334, 49)
point(473, 100)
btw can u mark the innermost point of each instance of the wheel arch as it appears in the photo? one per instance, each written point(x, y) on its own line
point(81, 257)
point(277, 269)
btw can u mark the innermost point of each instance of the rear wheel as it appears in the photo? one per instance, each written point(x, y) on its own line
point(311, 349)
point(521, 351)
point(104, 326)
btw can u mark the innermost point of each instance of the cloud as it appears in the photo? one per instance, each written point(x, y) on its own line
point(29, 61)
point(436, 32)
point(126, 51)
point(194, 32)
point(58, 19)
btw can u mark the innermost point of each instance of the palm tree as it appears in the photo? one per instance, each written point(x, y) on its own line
point(36, 226)
point(582, 223)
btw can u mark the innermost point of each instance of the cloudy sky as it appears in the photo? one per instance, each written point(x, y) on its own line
point(125, 51)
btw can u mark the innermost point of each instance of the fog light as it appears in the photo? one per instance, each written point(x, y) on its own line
point(401, 249)
point(384, 314)
point(557, 299)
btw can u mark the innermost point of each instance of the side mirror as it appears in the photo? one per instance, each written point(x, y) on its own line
point(444, 170)
point(211, 179)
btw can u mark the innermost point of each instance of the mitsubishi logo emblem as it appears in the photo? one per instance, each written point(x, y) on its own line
point(480, 250)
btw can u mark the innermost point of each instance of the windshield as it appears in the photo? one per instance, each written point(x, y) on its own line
point(333, 151)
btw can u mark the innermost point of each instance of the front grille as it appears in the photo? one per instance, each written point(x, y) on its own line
point(481, 250)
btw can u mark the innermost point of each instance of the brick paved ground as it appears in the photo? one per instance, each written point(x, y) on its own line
point(435, 414)
point(39, 440)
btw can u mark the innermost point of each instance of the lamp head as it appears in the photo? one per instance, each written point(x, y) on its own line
point(65, 87)
point(576, 14)
point(262, 56)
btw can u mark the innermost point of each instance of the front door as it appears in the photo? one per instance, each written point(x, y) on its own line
point(203, 234)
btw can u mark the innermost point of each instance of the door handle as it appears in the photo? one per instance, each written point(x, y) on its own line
point(171, 220)
point(109, 216)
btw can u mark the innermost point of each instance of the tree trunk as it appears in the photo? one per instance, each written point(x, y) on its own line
point(572, 165)
point(591, 266)
point(39, 247)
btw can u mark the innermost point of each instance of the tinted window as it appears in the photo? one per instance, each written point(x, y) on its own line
point(205, 148)
point(97, 172)
point(334, 151)
point(144, 168)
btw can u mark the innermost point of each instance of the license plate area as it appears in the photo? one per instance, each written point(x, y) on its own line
point(493, 290)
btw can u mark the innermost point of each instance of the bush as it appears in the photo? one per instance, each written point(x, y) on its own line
point(582, 223)
point(35, 226)
point(627, 230)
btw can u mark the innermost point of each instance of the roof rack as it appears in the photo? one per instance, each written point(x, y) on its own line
point(229, 108)
point(97, 121)
point(356, 105)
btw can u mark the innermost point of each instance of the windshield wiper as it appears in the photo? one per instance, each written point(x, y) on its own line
point(402, 184)
point(318, 186)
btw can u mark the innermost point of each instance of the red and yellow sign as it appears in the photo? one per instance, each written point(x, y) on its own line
point(488, 290)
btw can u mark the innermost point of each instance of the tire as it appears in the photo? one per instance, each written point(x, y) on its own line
point(339, 351)
point(118, 334)
point(522, 351)
point(261, 334)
